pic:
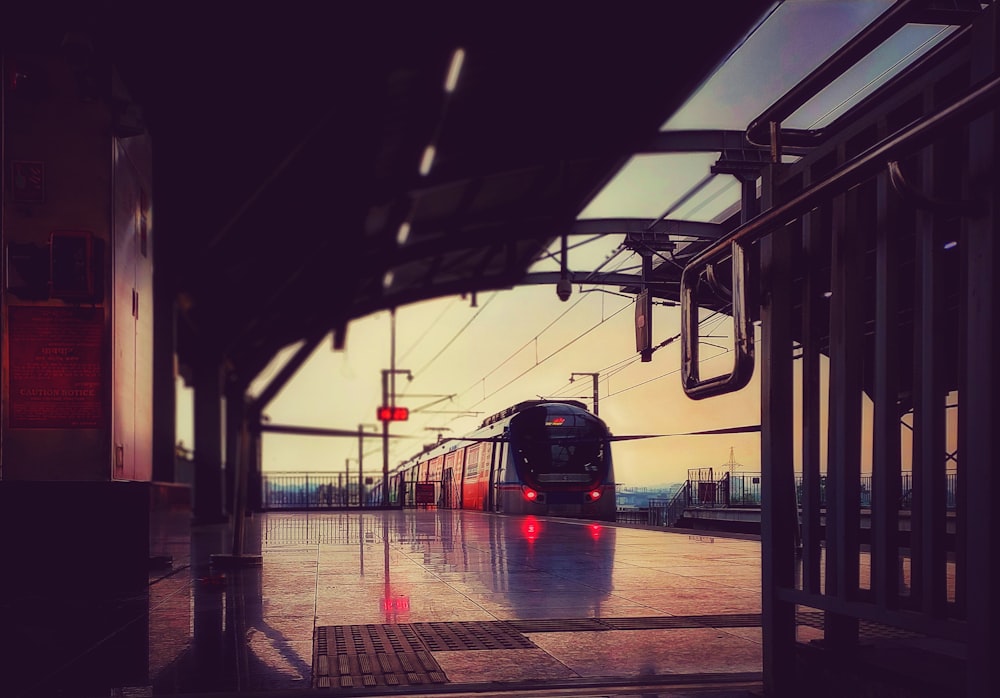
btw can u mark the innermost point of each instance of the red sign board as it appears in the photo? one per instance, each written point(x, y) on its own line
point(393, 414)
point(56, 377)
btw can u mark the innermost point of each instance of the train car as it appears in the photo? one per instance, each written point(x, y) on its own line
point(541, 457)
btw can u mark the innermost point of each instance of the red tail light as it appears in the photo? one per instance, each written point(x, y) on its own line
point(594, 495)
point(529, 493)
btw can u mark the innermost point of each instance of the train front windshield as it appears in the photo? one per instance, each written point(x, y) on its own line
point(558, 447)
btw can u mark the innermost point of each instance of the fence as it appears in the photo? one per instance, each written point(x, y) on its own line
point(632, 515)
point(315, 491)
point(743, 490)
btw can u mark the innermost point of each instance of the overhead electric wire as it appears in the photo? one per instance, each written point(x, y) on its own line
point(457, 334)
point(610, 258)
point(709, 199)
point(554, 353)
point(534, 339)
point(669, 373)
point(428, 329)
point(546, 254)
point(505, 361)
point(627, 361)
point(614, 369)
point(523, 346)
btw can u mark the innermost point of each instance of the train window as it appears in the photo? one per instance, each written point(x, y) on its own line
point(472, 462)
point(552, 445)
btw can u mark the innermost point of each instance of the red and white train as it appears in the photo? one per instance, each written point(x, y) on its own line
point(541, 457)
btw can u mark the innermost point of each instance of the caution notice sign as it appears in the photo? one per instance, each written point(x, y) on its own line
point(55, 367)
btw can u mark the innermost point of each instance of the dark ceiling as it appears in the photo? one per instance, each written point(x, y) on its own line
point(288, 138)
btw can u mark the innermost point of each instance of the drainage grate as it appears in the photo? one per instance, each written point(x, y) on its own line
point(349, 656)
point(721, 620)
point(726, 620)
point(559, 625)
point(471, 635)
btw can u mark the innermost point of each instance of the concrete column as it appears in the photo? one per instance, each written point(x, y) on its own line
point(254, 477)
point(980, 424)
point(208, 501)
point(164, 386)
point(235, 413)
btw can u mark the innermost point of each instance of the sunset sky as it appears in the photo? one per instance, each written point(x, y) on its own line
point(524, 343)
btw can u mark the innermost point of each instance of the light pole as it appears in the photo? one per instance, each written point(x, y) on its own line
point(592, 375)
point(388, 400)
point(345, 493)
point(361, 457)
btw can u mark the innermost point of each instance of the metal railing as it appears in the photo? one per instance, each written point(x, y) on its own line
point(666, 512)
point(734, 490)
point(632, 515)
point(314, 491)
point(864, 166)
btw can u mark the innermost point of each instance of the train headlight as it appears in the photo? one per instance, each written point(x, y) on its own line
point(529, 493)
point(594, 495)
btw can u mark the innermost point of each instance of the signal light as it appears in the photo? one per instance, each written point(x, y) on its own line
point(393, 414)
point(529, 493)
point(594, 495)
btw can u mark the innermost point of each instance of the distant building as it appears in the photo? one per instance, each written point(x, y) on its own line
point(630, 497)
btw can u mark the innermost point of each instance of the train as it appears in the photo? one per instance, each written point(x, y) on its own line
point(538, 457)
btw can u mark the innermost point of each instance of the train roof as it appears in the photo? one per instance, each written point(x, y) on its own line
point(451, 443)
point(527, 404)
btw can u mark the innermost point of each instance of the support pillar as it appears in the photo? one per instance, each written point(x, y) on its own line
point(164, 388)
point(208, 501)
point(778, 507)
point(980, 423)
point(254, 477)
point(235, 414)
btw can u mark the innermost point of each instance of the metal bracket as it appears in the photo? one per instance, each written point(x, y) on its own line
point(694, 386)
point(920, 200)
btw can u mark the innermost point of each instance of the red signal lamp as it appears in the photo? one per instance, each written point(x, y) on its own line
point(529, 493)
point(594, 495)
point(393, 414)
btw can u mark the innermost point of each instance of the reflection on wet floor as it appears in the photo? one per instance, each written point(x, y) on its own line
point(480, 601)
point(199, 630)
point(470, 599)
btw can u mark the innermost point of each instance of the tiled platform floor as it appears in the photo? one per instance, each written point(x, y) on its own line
point(201, 631)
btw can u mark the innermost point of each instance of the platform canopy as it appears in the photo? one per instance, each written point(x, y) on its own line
point(294, 184)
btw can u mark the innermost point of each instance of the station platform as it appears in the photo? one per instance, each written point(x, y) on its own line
point(423, 602)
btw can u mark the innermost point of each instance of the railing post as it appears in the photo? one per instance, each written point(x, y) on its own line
point(778, 518)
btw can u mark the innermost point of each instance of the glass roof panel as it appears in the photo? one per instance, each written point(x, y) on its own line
point(795, 38)
point(648, 184)
point(791, 40)
point(877, 68)
point(718, 195)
